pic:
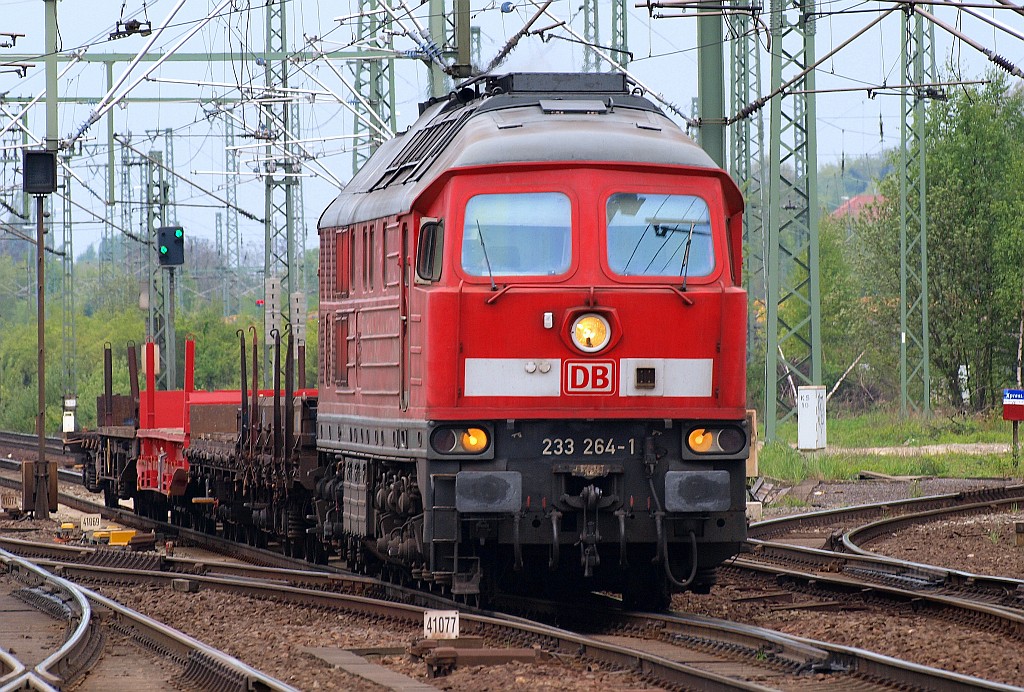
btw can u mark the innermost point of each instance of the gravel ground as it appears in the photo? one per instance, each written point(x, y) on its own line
point(982, 544)
point(271, 636)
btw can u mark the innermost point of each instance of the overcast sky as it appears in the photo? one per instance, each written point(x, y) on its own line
point(665, 58)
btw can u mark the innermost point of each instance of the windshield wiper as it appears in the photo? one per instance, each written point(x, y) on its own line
point(663, 230)
point(487, 261)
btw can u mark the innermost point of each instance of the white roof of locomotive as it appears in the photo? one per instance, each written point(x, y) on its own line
point(510, 128)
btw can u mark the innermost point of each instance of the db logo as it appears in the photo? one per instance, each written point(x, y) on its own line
point(588, 377)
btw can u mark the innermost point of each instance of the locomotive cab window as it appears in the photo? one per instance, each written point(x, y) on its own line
point(659, 235)
point(519, 234)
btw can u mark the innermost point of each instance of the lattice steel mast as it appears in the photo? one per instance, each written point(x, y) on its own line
point(69, 378)
point(794, 299)
point(917, 64)
point(746, 155)
point(281, 170)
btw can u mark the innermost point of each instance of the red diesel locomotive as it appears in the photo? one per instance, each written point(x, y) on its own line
point(533, 347)
point(532, 340)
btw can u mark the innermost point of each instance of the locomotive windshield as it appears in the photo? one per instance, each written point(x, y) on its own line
point(659, 235)
point(521, 234)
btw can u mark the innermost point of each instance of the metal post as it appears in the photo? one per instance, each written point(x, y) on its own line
point(746, 146)
point(42, 475)
point(42, 503)
point(592, 35)
point(793, 329)
point(917, 67)
point(172, 356)
point(1016, 443)
point(711, 87)
point(620, 33)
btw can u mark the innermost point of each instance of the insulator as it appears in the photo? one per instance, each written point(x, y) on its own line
point(1002, 62)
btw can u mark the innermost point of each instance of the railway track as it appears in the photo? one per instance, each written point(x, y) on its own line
point(669, 649)
point(677, 651)
point(26, 442)
point(841, 561)
point(88, 619)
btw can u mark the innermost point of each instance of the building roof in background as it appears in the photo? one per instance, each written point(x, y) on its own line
point(855, 205)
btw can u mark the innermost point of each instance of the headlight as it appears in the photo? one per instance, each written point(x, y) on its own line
point(591, 332)
point(460, 440)
point(725, 440)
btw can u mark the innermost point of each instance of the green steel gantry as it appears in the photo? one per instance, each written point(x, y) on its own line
point(281, 170)
point(917, 64)
point(619, 44)
point(68, 369)
point(746, 156)
point(793, 349)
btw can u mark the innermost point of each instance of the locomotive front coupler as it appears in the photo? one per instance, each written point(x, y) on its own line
point(592, 500)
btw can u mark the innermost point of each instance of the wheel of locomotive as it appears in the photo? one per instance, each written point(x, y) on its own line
point(646, 588)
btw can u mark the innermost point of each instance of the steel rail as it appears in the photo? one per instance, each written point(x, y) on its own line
point(811, 520)
point(1007, 591)
point(1008, 620)
point(555, 640)
point(200, 661)
point(794, 654)
point(994, 614)
point(78, 651)
point(30, 442)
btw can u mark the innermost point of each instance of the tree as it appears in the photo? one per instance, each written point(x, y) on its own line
point(975, 232)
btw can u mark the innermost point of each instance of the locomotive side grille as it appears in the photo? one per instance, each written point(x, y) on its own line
point(422, 147)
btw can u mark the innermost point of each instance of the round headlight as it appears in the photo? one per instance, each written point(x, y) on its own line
point(474, 440)
point(444, 440)
point(591, 332)
point(731, 440)
point(460, 440)
point(700, 440)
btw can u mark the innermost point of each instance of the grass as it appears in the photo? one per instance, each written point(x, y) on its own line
point(888, 429)
point(782, 462)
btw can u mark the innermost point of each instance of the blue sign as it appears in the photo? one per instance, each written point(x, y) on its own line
point(1013, 397)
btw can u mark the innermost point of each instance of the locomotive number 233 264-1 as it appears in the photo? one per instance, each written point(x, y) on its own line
point(587, 446)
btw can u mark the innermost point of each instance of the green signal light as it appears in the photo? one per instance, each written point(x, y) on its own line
point(178, 233)
point(163, 249)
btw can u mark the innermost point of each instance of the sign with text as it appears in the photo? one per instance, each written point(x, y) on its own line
point(10, 501)
point(441, 624)
point(588, 377)
point(1013, 404)
point(91, 522)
